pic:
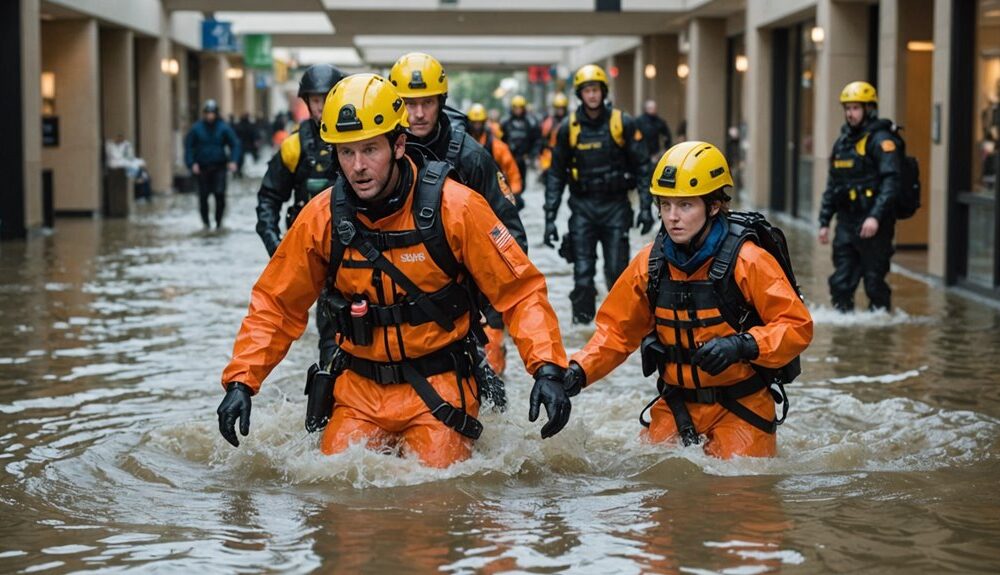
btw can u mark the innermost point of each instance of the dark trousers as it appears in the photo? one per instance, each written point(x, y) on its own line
point(212, 182)
point(522, 168)
point(856, 259)
point(594, 220)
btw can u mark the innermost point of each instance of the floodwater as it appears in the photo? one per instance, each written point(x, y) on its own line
point(115, 334)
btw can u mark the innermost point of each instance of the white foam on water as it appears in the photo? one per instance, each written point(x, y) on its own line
point(826, 315)
point(886, 378)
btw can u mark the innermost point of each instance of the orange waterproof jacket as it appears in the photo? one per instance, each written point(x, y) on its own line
point(550, 129)
point(501, 154)
point(626, 317)
point(295, 275)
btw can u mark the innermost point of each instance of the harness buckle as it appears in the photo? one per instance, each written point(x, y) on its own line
point(386, 373)
point(706, 395)
point(346, 232)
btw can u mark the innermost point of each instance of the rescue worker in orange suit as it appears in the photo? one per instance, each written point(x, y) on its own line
point(443, 131)
point(707, 380)
point(550, 127)
point(303, 167)
point(600, 152)
point(496, 349)
point(861, 189)
point(402, 372)
point(522, 134)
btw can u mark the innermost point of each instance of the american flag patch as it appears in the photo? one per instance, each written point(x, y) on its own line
point(500, 236)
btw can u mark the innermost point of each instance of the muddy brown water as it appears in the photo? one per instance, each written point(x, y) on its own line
point(115, 334)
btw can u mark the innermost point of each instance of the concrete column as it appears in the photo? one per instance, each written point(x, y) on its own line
point(638, 79)
point(31, 113)
point(706, 84)
point(214, 83)
point(117, 83)
point(760, 101)
point(248, 105)
point(937, 208)
point(154, 109)
point(624, 92)
point(665, 88)
point(70, 51)
point(842, 58)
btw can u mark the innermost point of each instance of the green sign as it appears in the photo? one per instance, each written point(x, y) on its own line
point(257, 51)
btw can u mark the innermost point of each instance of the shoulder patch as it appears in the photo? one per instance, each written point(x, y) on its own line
point(888, 145)
point(501, 236)
point(291, 149)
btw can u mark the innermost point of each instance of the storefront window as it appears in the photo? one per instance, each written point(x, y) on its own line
point(804, 120)
point(981, 244)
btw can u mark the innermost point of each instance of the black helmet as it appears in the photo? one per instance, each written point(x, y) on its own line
point(319, 79)
point(210, 106)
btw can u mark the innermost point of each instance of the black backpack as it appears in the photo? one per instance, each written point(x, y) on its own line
point(735, 310)
point(908, 197)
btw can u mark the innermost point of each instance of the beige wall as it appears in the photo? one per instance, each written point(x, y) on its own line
point(760, 103)
point(31, 70)
point(155, 143)
point(706, 84)
point(117, 83)
point(69, 49)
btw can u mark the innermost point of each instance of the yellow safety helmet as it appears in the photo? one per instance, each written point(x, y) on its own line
point(690, 169)
point(518, 102)
point(590, 73)
point(416, 75)
point(862, 92)
point(560, 101)
point(477, 113)
point(359, 107)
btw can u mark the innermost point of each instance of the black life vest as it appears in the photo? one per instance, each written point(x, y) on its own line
point(597, 155)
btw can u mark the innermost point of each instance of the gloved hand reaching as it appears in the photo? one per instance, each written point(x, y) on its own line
point(718, 354)
point(235, 405)
point(548, 390)
point(551, 233)
point(645, 221)
point(574, 379)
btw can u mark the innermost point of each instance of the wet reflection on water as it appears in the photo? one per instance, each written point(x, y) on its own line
point(116, 333)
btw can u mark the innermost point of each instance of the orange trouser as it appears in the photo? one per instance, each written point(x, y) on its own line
point(728, 435)
point(496, 349)
point(380, 415)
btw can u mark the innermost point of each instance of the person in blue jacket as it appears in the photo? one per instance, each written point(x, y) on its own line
point(206, 155)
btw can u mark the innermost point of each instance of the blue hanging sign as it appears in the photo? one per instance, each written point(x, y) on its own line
point(217, 36)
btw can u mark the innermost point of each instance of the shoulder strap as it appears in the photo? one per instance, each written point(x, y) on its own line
point(617, 131)
point(427, 215)
point(732, 305)
point(455, 142)
point(574, 132)
point(307, 140)
point(656, 267)
point(342, 209)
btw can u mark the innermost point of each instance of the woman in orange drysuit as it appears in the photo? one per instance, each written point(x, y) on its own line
point(496, 349)
point(698, 349)
point(411, 357)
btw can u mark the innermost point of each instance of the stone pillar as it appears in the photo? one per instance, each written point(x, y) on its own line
point(215, 84)
point(155, 141)
point(624, 92)
point(937, 208)
point(665, 88)
point(26, 124)
point(842, 58)
point(760, 100)
point(706, 83)
point(117, 83)
point(70, 51)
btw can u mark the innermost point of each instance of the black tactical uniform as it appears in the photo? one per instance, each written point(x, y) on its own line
point(864, 181)
point(524, 137)
point(303, 167)
point(450, 142)
point(600, 174)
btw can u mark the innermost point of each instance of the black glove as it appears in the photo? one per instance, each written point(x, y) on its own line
point(575, 379)
point(549, 390)
point(551, 233)
point(645, 221)
point(271, 241)
point(722, 352)
point(236, 404)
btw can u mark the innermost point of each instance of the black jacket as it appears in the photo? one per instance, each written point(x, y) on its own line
point(864, 179)
point(475, 168)
point(598, 166)
point(652, 127)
